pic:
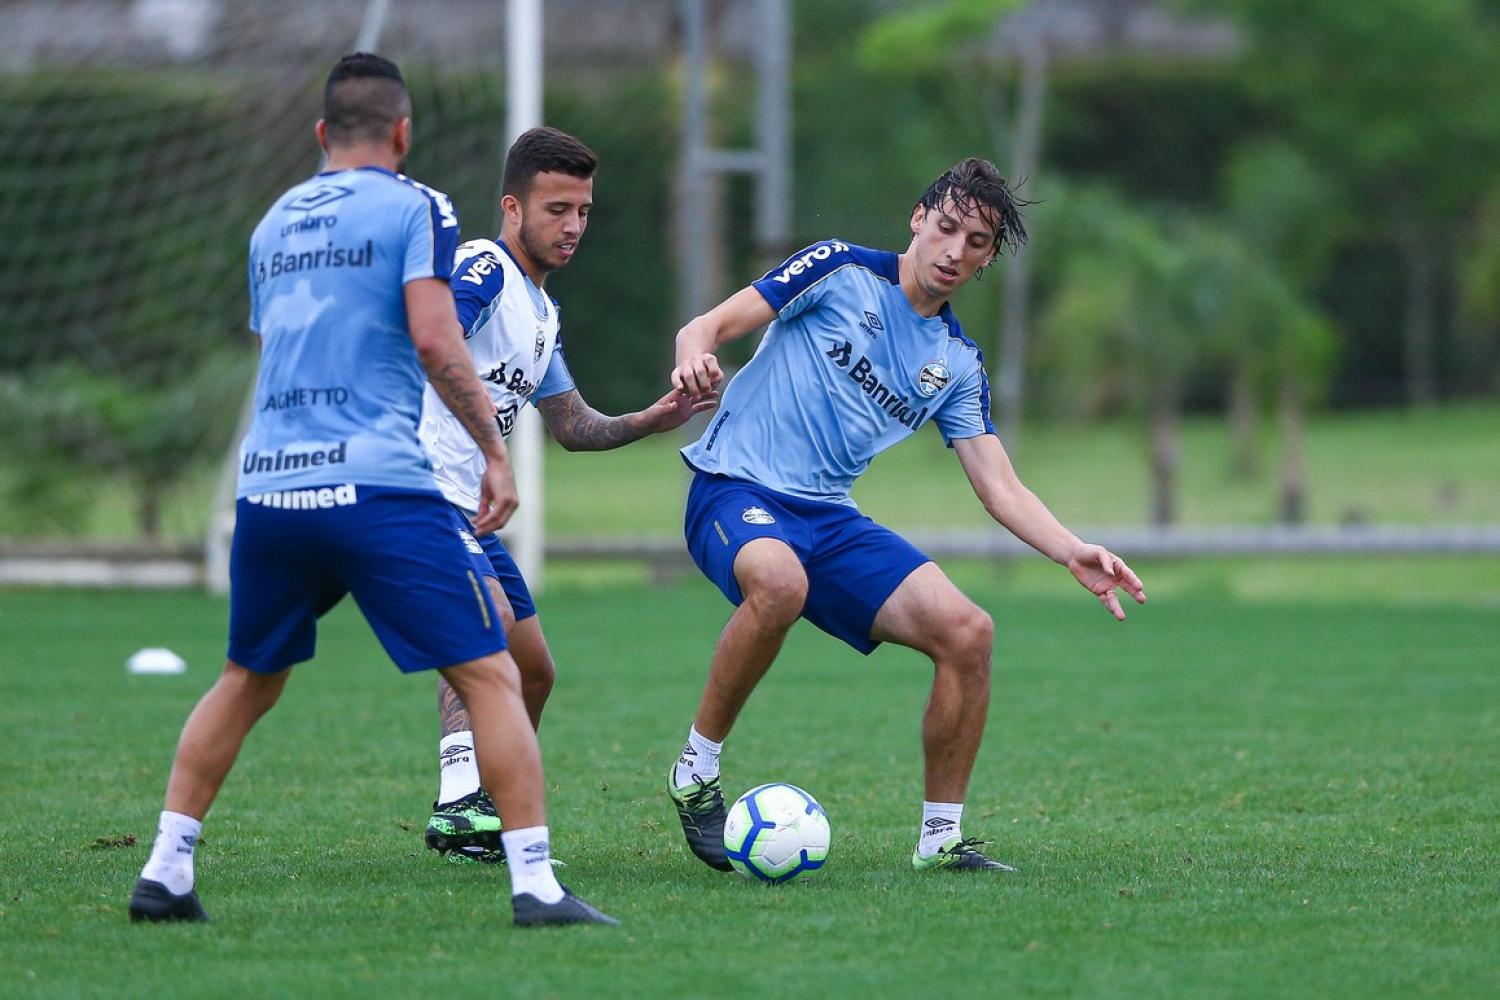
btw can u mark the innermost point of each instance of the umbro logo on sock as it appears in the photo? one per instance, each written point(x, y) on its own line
point(537, 853)
point(688, 753)
point(455, 755)
point(937, 823)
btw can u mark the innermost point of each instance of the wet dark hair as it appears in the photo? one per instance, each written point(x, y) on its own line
point(364, 96)
point(541, 151)
point(976, 186)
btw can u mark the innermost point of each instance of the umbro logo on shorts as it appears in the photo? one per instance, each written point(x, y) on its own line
point(757, 515)
point(470, 544)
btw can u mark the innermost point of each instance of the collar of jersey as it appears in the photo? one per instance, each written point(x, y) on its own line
point(890, 270)
point(540, 313)
point(371, 166)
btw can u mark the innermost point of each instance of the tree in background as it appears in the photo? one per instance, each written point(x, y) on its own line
point(1119, 322)
point(1400, 103)
point(1280, 205)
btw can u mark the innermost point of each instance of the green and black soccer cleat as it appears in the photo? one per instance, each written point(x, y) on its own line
point(468, 828)
point(155, 902)
point(532, 912)
point(700, 807)
point(958, 855)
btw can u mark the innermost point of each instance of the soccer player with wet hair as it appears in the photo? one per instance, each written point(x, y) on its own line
point(862, 351)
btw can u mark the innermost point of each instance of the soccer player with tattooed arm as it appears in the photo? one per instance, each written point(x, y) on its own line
point(513, 329)
point(863, 350)
point(349, 295)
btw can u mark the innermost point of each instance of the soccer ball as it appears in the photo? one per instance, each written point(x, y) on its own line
point(776, 832)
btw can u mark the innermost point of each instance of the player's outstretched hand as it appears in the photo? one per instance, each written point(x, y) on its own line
point(497, 498)
point(1101, 571)
point(675, 409)
point(697, 374)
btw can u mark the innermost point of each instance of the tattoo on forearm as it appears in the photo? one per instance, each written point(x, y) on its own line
point(579, 427)
point(459, 387)
point(455, 718)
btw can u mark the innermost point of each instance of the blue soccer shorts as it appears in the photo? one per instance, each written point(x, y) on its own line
point(408, 559)
point(504, 569)
point(853, 565)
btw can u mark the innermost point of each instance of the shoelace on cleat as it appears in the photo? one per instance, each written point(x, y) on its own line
point(705, 798)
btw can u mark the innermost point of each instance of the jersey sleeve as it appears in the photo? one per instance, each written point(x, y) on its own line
point(557, 379)
point(801, 281)
point(478, 279)
point(966, 411)
point(431, 235)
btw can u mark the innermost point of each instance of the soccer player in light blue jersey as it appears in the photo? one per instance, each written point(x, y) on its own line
point(862, 351)
point(349, 294)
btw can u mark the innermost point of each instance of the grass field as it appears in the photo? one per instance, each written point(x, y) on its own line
point(1230, 795)
point(1433, 466)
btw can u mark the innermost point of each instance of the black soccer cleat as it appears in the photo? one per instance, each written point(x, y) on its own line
point(532, 912)
point(700, 807)
point(155, 902)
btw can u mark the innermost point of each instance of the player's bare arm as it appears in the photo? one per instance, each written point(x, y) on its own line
point(1022, 513)
point(697, 371)
point(439, 340)
point(579, 427)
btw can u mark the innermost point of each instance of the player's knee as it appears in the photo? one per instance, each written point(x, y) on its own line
point(484, 680)
point(778, 597)
point(969, 639)
point(260, 691)
point(538, 675)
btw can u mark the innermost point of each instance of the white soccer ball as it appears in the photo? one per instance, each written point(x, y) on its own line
point(776, 832)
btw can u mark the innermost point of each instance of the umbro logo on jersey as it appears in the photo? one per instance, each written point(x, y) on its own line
point(757, 515)
point(506, 418)
point(323, 194)
point(841, 354)
point(871, 324)
point(933, 377)
point(541, 345)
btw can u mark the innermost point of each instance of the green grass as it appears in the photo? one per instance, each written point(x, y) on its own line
point(1434, 466)
point(1225, 796)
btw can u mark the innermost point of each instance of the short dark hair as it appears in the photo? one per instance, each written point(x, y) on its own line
point(364, 96)
point(976, 185)
point(545, 150)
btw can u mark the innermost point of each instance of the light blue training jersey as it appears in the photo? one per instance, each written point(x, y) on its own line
point(847, 369)
point(340, 386)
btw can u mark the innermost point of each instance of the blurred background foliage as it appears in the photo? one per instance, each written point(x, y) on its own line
point(1310, 220)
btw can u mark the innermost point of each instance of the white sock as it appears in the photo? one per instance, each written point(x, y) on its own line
point(940, 824)
point(699, 759)
point(171, 861)
point(458, 767)
point(529, 858)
